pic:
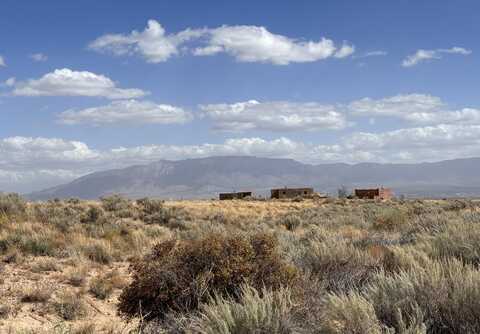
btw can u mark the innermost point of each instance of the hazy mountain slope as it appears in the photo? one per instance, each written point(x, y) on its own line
point(194, 178)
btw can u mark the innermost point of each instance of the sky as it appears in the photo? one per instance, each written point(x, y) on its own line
point(93, 85)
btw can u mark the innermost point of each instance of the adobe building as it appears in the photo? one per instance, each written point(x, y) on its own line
point(235, 195)
point(375, 193)
point(291, 192)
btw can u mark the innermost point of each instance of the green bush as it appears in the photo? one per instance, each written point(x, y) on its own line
point(179, 275)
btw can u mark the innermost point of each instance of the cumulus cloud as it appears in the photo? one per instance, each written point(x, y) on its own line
point(153, 43)
point(66, 82)
point(257, 44)
point(424, 55)
point(245, 43)
point(2, 61)
point(126, 111)
point(414, 108)
point(274, 116)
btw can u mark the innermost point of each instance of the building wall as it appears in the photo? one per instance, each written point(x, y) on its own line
point(377, 193)
point(366, 193)
point(230, 196)
point(386, 193)
point(291, 192)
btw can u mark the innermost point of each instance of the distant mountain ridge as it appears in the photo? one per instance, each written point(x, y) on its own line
point(206, 177)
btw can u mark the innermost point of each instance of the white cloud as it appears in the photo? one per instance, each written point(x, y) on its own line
point(39, 57)
point(152, 43)
point(345, 51)
point(127, 111)
point(245, 43)
point(2, 61)
point(257, 44)
point(66, 82)
point(415, 108)
point(423, 55)
point(274, 116)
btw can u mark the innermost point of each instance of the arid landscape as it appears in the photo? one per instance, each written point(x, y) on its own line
point(241, 266)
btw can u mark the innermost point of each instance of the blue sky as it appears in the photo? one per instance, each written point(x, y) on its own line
point(317, 81)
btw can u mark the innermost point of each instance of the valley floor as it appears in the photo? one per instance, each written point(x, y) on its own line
point(64, 264)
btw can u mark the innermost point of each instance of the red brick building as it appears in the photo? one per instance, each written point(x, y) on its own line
point(375, 193)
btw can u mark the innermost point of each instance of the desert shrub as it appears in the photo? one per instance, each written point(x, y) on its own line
point(149, 206)
point(4, 311)
point(461, 241)
point(12, 205)
point(349, 314)
point(254, 312)
point(85, 328)
point(290, 221)
point(93, 214)
point(70, 306)
point(457, 205)
point(445, 294)
point(178, 275)
point(40, 244)
point(44, 265)
point(390, 219)
point(155, 212)
point(120, 206)
point(77, 275)
point(101, 287)
point(338, 263)
point(38, 293)
point(98, 251)
point(12, 255)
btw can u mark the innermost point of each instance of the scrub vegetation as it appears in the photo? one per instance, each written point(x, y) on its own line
point(243, 266)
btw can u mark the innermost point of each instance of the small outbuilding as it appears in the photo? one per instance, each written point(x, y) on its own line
point(291, 192)
point(374, 193)
point(235, 195)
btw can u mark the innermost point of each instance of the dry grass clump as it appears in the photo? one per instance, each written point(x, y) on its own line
point(99, 251)
point(179, 275)
point(44, 264)
point(38, 293)
point(70, 306)
point(77, 275)
point(103, 285)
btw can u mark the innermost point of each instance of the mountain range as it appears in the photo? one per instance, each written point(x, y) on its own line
point(206, 177)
